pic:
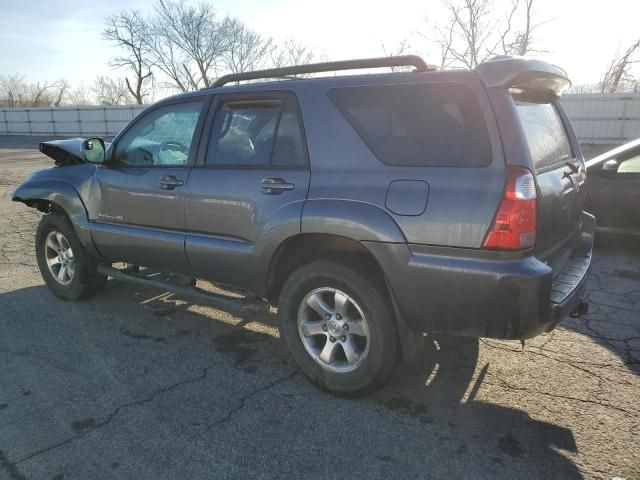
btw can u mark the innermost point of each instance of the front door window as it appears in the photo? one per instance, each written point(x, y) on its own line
point(161, 138)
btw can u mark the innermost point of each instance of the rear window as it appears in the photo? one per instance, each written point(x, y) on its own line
point(423, 125)
point(546, 136)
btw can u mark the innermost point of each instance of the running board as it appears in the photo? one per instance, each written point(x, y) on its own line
point(192, 292)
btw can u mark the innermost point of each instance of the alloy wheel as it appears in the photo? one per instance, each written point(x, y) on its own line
point(333, 329)
point(59, 257)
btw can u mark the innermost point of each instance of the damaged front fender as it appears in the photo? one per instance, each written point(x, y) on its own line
point(46, 191)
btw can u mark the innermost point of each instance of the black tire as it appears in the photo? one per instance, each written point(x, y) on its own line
point(377, 365)
point(86, 281)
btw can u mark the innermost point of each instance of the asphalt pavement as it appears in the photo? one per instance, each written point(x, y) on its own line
point(136, 383)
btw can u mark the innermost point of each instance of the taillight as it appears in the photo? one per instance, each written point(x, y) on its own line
point(515, 224)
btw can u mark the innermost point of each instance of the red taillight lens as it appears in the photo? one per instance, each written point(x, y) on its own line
point(515, 224)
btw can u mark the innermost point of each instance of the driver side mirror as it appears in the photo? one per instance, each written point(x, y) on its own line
point(93, 150)
point(610, 166)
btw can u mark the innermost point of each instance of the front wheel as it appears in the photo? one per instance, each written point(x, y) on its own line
point(65, 267)
point(338, 326)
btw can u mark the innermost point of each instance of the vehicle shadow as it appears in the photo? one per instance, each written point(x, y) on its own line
point(433, 407)
point(445, 389)
point(613, 293)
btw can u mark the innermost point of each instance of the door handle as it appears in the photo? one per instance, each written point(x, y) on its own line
point(170, 182)
point(275, 186)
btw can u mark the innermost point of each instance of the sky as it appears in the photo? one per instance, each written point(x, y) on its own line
point(53, 39)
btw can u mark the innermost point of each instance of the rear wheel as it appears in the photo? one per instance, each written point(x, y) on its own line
point(338, 326)
point(65, 267)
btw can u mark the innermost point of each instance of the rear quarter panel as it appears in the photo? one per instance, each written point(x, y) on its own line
point(461, 201)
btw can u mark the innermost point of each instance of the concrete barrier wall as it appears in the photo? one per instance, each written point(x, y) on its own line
point(597, 118)
point(62, 121)
point(604, 118)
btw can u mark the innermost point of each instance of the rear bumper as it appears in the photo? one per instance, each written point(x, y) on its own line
point(568, 286)
point(484, 294)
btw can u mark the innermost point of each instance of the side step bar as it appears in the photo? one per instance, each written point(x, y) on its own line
point(188, 291)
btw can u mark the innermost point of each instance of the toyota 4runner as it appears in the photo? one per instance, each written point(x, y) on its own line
point(368, 208)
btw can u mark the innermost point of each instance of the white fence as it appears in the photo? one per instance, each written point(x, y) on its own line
point(604, 118)
point(63, 121)
point(597, 118)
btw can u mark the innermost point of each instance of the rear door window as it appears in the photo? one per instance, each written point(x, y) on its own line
point(258, 133)
point(243, 133)
point(290, 149)
point(546, 136)
point(418, 125)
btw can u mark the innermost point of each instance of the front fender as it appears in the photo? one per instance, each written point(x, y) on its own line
point(63, 195)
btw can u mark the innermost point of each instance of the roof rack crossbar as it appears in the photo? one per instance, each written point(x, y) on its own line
point(380, 62)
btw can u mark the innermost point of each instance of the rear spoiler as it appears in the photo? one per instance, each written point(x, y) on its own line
point(533, 77)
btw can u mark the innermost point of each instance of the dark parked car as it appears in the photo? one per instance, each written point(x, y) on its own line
point(614, 190)
point(368, 208)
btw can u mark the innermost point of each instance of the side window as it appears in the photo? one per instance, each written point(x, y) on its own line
point(243, 133)
point(630, 165)
point(425, 125)
point(290, 148)
point(163, 137)
point(546, 136)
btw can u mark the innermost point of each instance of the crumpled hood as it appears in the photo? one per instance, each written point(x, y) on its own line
point(65, 152)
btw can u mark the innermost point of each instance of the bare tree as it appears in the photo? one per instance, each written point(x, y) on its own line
point(618, 76)
point(188, 45)
point(63, 89)
point(38, 94)
point(505, 35)
point(290, 52)
point(581, 88)
point(401, 49)
point(15, 92)
point(444, 37)
point(473, 32)
point(247, 49)
point(197, 34)
point(44, 94)
point(168, 58)
point(129, 31)
point(522, 41)
point(470, 31)
point(12, 89)
point(110, 91)
point(80, 95)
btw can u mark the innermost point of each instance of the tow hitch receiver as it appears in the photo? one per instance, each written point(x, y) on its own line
point(581, 310)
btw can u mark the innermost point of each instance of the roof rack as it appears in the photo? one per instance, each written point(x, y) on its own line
point(380, 62)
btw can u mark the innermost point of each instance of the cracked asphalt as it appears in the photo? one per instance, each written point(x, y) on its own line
point(136, 383)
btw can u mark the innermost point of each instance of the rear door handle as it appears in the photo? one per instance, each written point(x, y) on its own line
point(275, 186)
point(170, 182)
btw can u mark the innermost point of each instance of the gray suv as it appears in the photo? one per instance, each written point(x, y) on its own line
point(367, 208)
